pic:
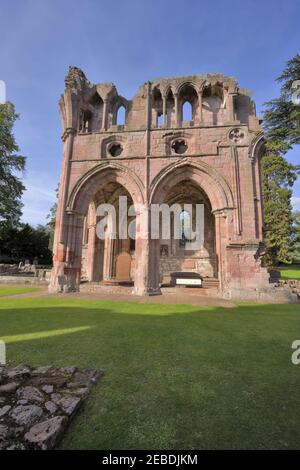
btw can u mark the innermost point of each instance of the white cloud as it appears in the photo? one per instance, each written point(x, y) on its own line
point(296, 203)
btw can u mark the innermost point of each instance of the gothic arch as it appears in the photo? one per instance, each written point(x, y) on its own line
point(104, 173)
point(210, 180)
point(256, 149)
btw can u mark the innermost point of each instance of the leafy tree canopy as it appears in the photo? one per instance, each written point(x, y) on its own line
point(11, 187)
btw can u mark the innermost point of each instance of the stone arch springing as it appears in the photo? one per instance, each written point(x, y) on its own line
point(209, 179)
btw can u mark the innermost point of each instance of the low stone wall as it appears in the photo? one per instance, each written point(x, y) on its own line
point(36, 405)
point(292, 284)
point(23, 280)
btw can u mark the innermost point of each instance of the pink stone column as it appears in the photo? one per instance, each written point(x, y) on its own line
point(147, 257)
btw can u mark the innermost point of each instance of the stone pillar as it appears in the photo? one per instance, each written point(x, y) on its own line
point(165, 110)
point(92, 238)
point(230, 107)
point(147, 261)
point(65, 276)
point(200, 107)
point(177, 119)
point(221, 242)
point(104, 116)
point(62, 223)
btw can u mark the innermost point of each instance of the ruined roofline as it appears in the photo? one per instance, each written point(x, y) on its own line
point(76, 81)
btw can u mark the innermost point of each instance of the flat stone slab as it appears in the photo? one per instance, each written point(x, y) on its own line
point(37, 404)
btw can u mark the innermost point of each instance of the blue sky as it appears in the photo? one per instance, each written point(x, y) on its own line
point(129, 42)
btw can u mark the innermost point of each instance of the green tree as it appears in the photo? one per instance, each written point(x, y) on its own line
point(281, 122)
point(25, 242)
point(297, 237)
point(52, 218)
point(11, 187)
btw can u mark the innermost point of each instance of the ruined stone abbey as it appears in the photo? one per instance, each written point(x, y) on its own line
point(191, 139)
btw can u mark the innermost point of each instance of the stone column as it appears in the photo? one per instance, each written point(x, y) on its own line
point(92, 237)
point(147, 257)
point(177, 120)
point(62, 223)
point(221, 242)
point(200, 107)
point(165, 110)
point(230, 107)
point(104, 115)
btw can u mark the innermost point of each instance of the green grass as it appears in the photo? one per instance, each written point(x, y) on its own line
point(176, 376)
point(290, 272)
point(12, 290)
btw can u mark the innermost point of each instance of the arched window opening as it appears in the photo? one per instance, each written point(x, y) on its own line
point(170, 107)
point(186, 227)
point(160, 120)
point(121, 116)
point(96, 104)
point(157, 108)
point(187, 111)
point(85, 124)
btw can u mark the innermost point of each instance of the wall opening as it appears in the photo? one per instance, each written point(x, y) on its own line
point(121, 116)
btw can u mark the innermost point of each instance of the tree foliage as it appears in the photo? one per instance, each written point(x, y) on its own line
point(51, 221)
point(297, 237)
point(281, 121)
point(11, 187)
point(23, 242)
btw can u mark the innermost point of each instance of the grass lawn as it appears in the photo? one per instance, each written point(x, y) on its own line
point(14, 290)
point(290, 272)
point(181, 377)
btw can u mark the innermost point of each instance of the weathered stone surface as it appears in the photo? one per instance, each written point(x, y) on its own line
point(18, 371)
point(9, 387)
point(3, 432)
point(35, 409)
point(214, 156)
point(56, 397)
point(30, 394)
point(42, 370)
point(67, 371)
point(44, 435)
point(26, 414)
point(52, 380)
point(51, 407)
point(69, 404)
point(83, 391)
point(48, 389)
point(5, 409)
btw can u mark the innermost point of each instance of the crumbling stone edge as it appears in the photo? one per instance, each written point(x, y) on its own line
point(37, 404)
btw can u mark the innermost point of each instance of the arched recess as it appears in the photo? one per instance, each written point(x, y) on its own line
point(105, 172)
point(219, 194)
point(209, 179)
point(188, 98)
point(81, 197)
point(256, 153)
